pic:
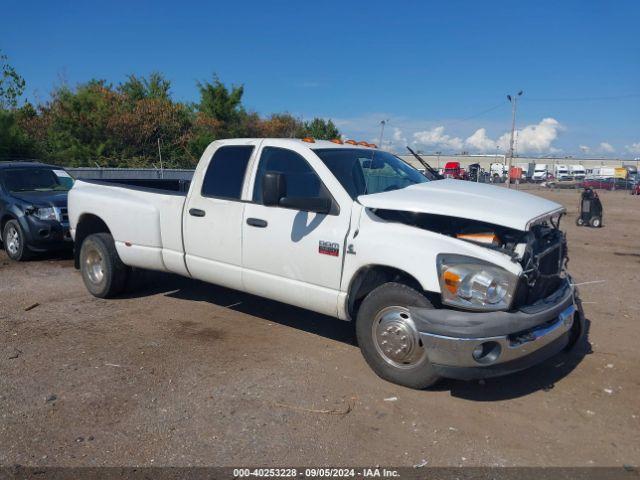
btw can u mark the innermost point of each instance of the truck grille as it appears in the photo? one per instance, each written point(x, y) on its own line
point(543, 266)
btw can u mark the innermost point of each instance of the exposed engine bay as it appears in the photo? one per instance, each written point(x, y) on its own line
point(541, 251)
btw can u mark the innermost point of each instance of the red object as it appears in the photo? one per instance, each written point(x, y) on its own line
point(515, 173)
point(607, 184)
point(453, 170)
point(636, 189)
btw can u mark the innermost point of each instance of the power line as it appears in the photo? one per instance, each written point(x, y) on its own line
point(583, 99)
point(479, 114)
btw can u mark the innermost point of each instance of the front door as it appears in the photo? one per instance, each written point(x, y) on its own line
point(291, 255)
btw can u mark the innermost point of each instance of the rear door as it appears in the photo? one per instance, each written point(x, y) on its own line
point(290, 255)
point(214, 213)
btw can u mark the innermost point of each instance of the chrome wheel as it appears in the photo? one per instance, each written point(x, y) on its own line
point(94, 265)
point(396, 338)
point(12, 241)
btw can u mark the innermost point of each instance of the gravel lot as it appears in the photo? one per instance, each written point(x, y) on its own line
point(184, 373)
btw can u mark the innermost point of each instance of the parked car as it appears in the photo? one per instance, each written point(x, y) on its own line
point(430, 271)
point(608, 183)
point(33, 208)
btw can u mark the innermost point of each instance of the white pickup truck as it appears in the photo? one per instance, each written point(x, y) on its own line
point(443, 278)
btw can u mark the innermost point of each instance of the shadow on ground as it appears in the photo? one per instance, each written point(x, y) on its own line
point(541, 377)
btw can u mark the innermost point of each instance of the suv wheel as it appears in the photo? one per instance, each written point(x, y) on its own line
point(388, 338)
point(14, 241)
point(103, 272)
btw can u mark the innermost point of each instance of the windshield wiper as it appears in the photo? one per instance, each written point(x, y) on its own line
point(428, 168)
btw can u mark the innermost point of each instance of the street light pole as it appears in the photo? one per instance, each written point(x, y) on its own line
point(382, 124)
point(514, 103)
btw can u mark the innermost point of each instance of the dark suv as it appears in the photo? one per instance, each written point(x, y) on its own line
point(33, 208)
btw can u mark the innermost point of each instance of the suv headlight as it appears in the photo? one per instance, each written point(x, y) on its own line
point(473, 284)
point(46, 213)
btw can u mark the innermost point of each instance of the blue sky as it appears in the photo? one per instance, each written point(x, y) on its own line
point(438, 71)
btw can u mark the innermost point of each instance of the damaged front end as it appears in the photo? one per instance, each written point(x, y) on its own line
point(541, 251)
point(479, 330)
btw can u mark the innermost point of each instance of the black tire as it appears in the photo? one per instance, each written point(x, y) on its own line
point(103, 272)
point(14, 242)
point(595, 222)
point(579, 221)
point(418, 374)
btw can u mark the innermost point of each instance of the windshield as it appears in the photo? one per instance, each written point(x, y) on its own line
point(364, 172)
point(37, 180)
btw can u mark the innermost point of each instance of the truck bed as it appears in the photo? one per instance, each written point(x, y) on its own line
point(145, 222)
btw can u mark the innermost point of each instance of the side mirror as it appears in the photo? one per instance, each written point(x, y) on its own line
point(274, 188)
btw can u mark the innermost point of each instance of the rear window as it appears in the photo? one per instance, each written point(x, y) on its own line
point(225, 174)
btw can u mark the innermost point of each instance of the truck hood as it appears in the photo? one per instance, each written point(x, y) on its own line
point(474, 201)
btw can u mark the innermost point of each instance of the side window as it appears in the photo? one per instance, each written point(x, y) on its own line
point(225, 174)
point(301, 180)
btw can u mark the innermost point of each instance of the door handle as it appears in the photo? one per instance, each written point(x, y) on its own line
point(196, 212)
point(257, 222)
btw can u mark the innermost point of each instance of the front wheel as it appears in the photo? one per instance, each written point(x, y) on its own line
point(103, 272)
point(579, 221)
point(14, 242)
point(388, 338)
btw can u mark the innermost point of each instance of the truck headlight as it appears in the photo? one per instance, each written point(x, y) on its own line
point(45, 213)
point(473, 284)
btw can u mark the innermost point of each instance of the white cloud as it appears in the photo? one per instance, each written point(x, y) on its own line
point(398, 136)
point(606, 147)
point(585, 149)
point(633, 148)
point(535, 138)
point(437, 138)
point(480, 142)
point(397, 143)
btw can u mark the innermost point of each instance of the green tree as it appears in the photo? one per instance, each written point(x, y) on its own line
point(11, 84)
point(321, 129)
point(155, 87)
point(221, 103)
point(15, 143)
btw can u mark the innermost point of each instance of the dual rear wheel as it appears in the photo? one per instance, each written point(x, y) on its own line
point(103, 272)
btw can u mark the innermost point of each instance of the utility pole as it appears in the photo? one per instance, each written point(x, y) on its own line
point(514, 103)
point(382, 124)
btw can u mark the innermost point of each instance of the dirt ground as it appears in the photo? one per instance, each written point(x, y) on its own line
point(184, 373)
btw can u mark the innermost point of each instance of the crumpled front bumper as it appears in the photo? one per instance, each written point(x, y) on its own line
point(468, 345)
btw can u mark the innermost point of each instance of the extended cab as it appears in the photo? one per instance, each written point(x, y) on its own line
point(442, 278)
point(33, 208)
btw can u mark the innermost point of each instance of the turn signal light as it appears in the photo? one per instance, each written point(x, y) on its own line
point(451, 281)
